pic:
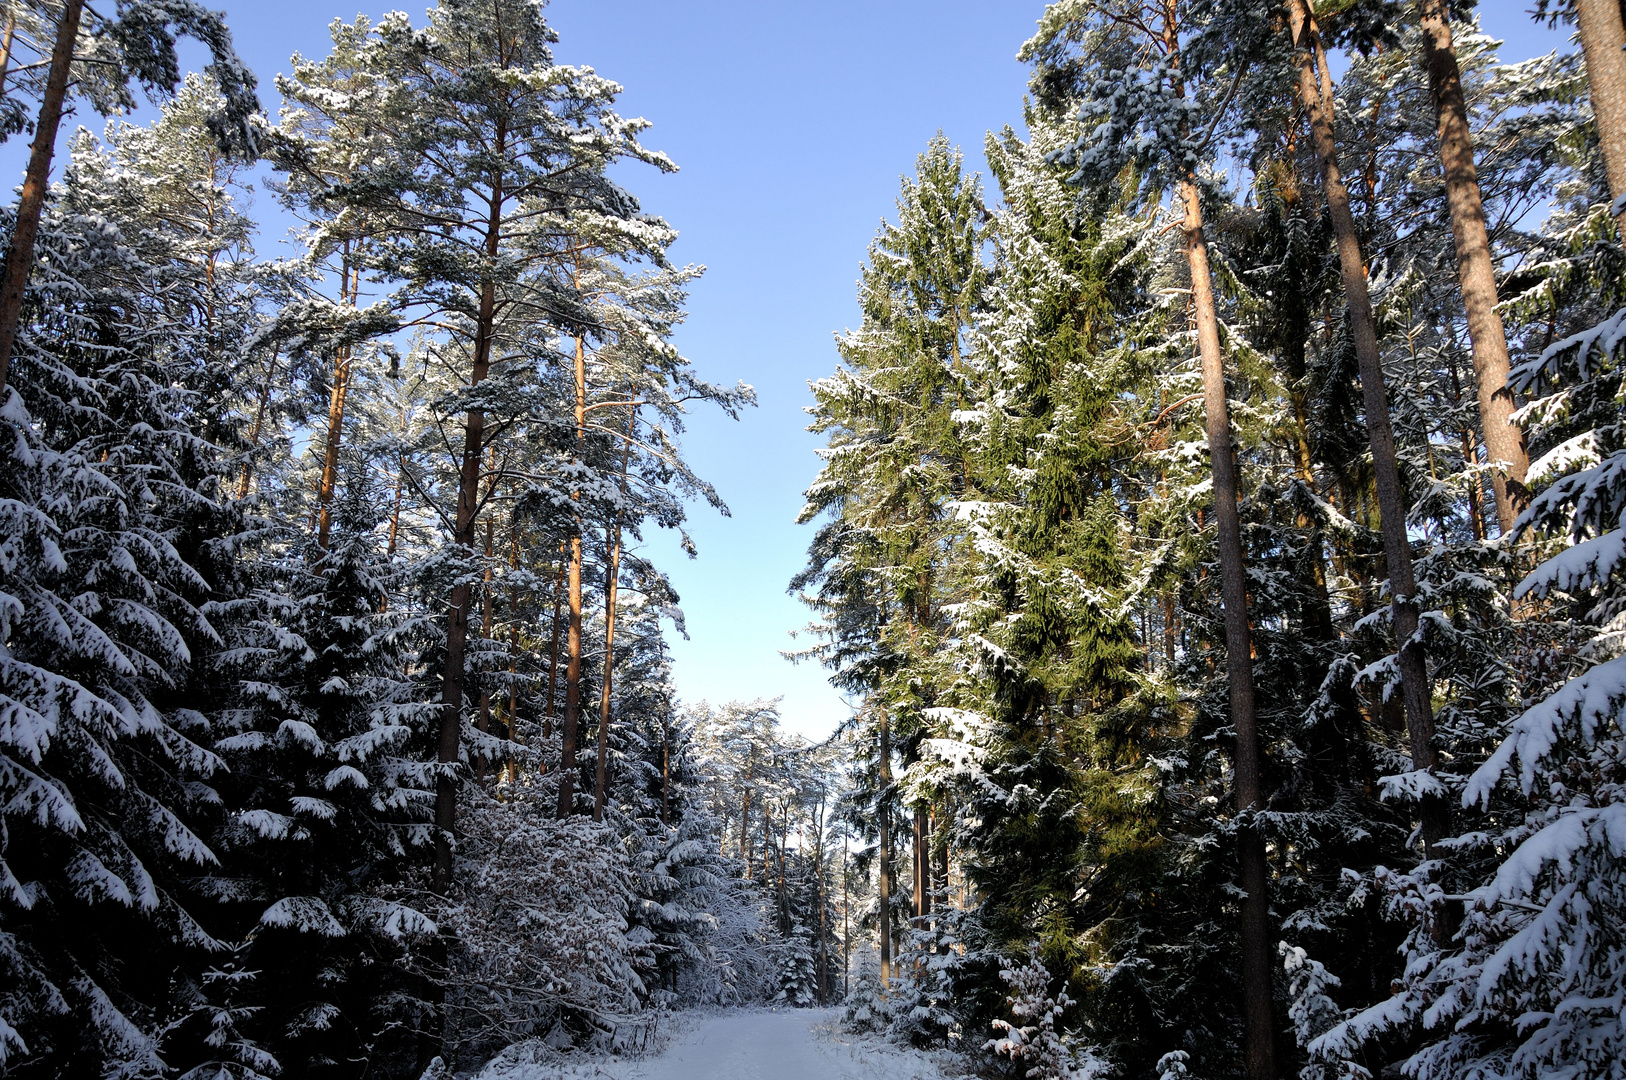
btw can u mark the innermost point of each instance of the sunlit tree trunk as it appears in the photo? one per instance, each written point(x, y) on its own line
point(1476, 268)
point(553, 649)
point(1603, 42)
point(1256, 936)
point(612, 574)
point(337, 396)
point(573, 667)
point(611, 571)
point(1257, 941)
point(36, 182)
point(1315, 91)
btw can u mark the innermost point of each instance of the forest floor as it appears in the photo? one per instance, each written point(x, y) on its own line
point(745, 1044)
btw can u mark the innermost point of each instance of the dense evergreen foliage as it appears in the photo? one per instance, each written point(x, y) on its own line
point(314, 600)
point(1218, 533)
point(1020, 559)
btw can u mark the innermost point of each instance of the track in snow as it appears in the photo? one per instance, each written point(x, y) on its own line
point(750, 1044)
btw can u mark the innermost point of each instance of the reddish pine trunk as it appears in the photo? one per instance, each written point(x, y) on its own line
point(612, 571)
point(335, 421)
point(573, 669)
point(612, 575)
point(1257, 965)
point(1603, 43)
point(1259, 1028)
point(1476, 269)
point(553, 650)
point(36, 181)
point(1315, 90)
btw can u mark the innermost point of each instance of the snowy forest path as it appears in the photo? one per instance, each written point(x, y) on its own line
point(755, 1044)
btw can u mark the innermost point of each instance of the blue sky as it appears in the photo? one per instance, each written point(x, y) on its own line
point(791, 124)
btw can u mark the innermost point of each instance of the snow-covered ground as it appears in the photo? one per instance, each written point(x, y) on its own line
point(744, 1044)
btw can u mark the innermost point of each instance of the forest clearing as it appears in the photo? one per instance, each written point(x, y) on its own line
point(1211, 533)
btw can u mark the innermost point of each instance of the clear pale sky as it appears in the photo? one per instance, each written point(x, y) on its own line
point(791, 123)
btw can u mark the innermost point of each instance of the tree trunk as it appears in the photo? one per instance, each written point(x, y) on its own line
point(258, 425)
point(784, 839)
point(395, 512)
point(5, 46)
point(884, 921)
point(330, 451)
point(818, 897)
point(468, 509)
point(1476, 268)
point(1317, 99)
point(512, 722)
point(1258, 954)
point(573, 667)
point(1603, 39)
point(923, 865)
point(335, 424)
point(612, 576)
point(457, 624)
point(553, 649)
point(745, 812)
point(1257, 1006)
point(611, 573)
point(36, 181)
point(486, 611)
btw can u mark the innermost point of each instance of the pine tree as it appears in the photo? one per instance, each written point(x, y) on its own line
point(1504, 441)
point(138, 46)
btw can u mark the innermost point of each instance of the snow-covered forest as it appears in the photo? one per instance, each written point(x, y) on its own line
point(1216, 535)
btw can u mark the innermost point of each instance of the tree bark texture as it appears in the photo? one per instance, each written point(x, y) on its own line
point(335, 424)
point(36, 181)
point(553, 648)
point(1476, 268)
point(612, 576)
point(1603, 44)
point(611, 573)
point(1257, 953)
point(573, 638)
point(1415, 693)
point(258, 425)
